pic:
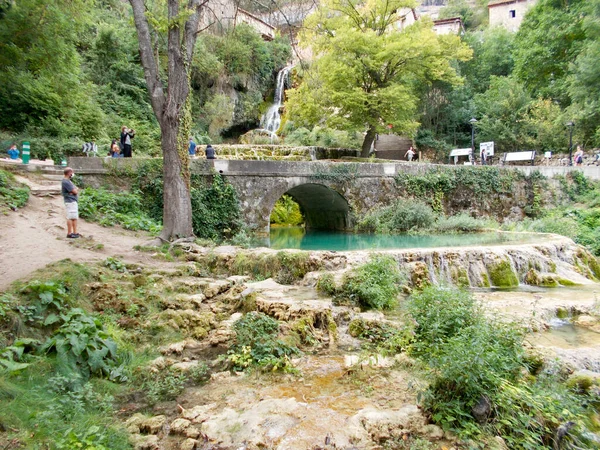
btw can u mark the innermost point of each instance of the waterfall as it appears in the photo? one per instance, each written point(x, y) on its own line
point(272, 119)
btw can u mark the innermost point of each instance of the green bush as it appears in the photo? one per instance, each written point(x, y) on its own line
point(257, 345)
point(374, 284)
point(440, 313)
point(83, 347)
point(469, 366)
point(460, 222)
point(402, 216)
point(110, 208)
point(164, 385)
point(12, 194)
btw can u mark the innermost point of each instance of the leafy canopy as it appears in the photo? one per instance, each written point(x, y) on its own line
point(368, 68)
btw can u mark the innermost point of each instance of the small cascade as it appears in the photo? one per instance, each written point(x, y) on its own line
point(272, 119)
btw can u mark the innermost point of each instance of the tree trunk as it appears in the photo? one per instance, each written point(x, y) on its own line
point(177, 210)
point(173, 109)
point(369, 138)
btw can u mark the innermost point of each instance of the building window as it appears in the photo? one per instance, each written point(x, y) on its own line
point(512, 13)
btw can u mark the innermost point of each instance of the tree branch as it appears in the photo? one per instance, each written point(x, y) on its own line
point(149, 62)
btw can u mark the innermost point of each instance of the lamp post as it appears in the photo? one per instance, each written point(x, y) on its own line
point(473, 121)
point(571, 125)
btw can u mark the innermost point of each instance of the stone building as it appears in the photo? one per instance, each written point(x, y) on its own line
point(220, 15)
point(453, 25)
point(508, 13)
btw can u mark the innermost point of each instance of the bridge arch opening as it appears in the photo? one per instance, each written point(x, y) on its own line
point(322, 207)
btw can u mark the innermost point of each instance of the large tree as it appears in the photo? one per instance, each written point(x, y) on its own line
point(368, 69)
point(170, 101)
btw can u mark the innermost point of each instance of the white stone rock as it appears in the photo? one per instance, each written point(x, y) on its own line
point(153, 425)
point(373, 361)
point(385, 424)
point(188, 444)
point(140, 442)
point(199, 413)
point(180, 425)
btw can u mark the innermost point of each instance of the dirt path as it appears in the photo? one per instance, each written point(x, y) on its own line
point(35, 236)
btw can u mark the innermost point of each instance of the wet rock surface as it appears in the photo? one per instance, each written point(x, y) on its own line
point(338, 398)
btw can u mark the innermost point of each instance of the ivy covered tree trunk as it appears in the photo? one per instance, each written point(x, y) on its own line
point(172, 109)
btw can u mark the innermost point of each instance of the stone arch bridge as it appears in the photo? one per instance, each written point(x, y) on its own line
point(332, 195)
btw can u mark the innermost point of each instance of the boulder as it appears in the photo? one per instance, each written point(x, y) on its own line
point(140, 442)
point(373, 361)
point(153, 425)
point(188, 444)
point(382, 425)
point(180, 425)
point(200, 413)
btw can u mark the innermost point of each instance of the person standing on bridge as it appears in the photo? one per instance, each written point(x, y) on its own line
point(70, 195)
point(410, 154)
point(579, 156)
point(126, 136)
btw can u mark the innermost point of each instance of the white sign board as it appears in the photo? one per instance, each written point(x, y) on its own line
point(460, 152)
point(487, 147)
point(548, 155)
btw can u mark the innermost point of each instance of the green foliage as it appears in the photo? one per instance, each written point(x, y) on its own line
point(335, 173)
point(439, 182)
point(407, 215)
point(374, 285)
point(215, 208)
point(12, 194)
point(115, 264)
point(45, 299)
point(473, 360)
point(440, 313)
point(286, 212)
point(257, 345)
point(55, 411)
point(285, 267)
point(502, 274)
point(460, 222)
point(319, 136)
point(11, 357)
point(110, 208)
point(380, 336)
point(164, 385)
point(369, 70)
point(326, 284)
point(83, 347)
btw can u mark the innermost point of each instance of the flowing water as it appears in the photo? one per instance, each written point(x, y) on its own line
point(566, 335)
point(299, 238)
point(272, 119)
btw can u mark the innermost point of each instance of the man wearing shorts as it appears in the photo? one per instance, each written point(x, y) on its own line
point(69, 193)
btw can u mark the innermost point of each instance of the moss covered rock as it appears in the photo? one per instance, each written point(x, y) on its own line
point(502, 274)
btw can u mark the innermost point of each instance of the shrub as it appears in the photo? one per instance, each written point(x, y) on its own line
point(374, 284)
point(459, 222)
point(12, 194)
point(440, 313)
point(257, 345)
point(164, 385)
point(83, 347)
point(110, 208)
point(381, 336)
point(402, 216)
point(469, 366)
